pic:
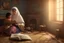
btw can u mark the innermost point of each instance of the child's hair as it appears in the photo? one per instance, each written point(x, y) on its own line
point(7, 15)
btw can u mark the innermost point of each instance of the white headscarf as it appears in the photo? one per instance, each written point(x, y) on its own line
point(17, 17)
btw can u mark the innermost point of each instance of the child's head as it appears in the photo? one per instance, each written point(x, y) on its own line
point(8, 15)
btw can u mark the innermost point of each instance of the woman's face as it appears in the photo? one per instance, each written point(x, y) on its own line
point(13, 11)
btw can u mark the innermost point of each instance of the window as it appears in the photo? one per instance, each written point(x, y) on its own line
point(59, 8)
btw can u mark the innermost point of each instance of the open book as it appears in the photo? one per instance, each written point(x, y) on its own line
point(20, 36)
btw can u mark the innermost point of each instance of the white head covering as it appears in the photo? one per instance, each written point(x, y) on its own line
point(17, 17)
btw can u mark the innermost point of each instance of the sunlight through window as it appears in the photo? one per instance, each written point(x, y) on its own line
point(59, 10)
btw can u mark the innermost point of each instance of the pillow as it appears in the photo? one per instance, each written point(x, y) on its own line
point(20, 37)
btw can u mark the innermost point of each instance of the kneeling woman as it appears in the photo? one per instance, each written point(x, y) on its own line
point(10, 26)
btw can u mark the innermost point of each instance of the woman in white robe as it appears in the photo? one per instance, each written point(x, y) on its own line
point(16, 16)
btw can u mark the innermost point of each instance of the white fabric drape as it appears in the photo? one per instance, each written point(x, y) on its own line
point(17, 16)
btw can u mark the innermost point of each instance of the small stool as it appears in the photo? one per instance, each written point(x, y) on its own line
point(42, 28)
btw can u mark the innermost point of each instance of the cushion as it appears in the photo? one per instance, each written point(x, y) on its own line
point(20, 37)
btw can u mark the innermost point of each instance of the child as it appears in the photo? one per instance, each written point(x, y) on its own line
point(8, 27)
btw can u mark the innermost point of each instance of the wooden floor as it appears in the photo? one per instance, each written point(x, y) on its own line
point(37, 37)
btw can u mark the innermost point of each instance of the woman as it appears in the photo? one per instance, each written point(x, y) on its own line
point(16, 16)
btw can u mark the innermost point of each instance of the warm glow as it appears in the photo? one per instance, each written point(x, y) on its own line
point(50, 10)
point(59, 10)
